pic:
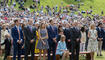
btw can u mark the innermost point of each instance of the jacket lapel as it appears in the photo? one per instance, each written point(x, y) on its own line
point(52, 28)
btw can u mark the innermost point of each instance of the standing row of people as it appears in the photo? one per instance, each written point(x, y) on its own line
point(53, 38)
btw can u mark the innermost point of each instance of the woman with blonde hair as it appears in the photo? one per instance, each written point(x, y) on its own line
point(43, 41)
point(92, 44)
point(62, 49)
point(4, 32)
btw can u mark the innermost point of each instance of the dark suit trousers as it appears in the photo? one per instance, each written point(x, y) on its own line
point(16, 50)
point(86, 44)
point(29, 47)
point(75, 50)
point(103, 45)
point(52, 47)
point(68, 44)
point(7, 53)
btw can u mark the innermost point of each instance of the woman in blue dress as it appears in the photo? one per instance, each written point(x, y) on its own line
point(62, 49)
point(42, 42)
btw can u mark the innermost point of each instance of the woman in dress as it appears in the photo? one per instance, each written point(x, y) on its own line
point(4, 32)
point(60, 32)
point(62, 49)
point(37, 34)
point(92, 44)
point(43, 43)
point(83, 39)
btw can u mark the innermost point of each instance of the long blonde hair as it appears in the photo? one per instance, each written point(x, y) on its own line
point(92, 26)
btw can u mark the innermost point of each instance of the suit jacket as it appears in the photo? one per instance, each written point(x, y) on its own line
point(15, 35)
point(29, 35)
point(0, 33)
point(100, 32)
point(87, 34)
point(75, 34)
point(67, 34)
point(58, 38)
point(7, 43)
point(104, 35)
point(52, 33)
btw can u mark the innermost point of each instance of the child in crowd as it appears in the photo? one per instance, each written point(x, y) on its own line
point(8, 44)
point(62, 49)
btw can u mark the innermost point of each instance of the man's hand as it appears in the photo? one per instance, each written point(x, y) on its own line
point(19, 41)
point(22, 46)
point(44, 43)
point(77, 39)
point(63, 50)
point(54, 39)
point(100, 39)
point(69, 40)
point(32, 41)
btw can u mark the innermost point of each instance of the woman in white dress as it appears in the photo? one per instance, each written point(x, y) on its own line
point(4, 32)
point(92, 44)
point(83, 39)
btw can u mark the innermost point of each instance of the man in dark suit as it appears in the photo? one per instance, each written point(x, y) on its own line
point(100, 32)
point(75, 40)
point(52, 34)
point(17, 36)
point(30, 38)
point(104, 40)
point(67, 34)
point(86, 29)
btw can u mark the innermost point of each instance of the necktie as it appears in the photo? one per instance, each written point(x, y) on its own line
point(19, 33)
point(52, 28)
point(30, 28)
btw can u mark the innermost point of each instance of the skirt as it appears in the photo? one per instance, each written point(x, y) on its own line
point(40, 44)
point(92, 45)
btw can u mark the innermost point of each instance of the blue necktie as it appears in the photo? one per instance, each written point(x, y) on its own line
point(30, 28)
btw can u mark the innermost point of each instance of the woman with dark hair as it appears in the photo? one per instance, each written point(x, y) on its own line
point(83, 39)
point(60, 28)
point(23, 51)
point(59, 35)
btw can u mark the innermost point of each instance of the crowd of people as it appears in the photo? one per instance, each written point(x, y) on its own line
point(59, 32)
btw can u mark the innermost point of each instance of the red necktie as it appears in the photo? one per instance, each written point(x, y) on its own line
point(19, 33)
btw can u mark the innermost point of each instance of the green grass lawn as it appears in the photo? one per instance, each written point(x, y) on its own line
point(100, 58)
point(96, 57)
